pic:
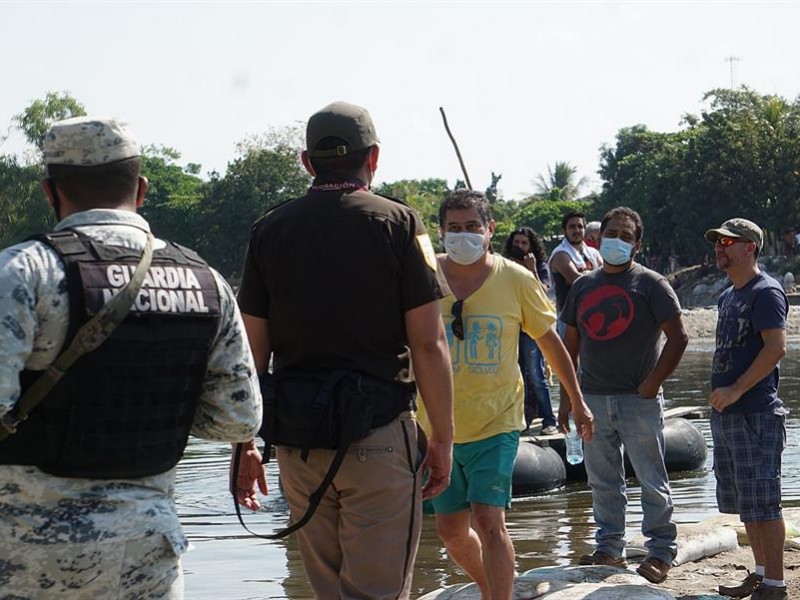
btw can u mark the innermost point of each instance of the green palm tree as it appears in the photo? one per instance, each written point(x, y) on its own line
point(560, 183)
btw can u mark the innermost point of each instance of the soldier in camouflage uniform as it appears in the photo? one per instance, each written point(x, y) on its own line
point(80, 537)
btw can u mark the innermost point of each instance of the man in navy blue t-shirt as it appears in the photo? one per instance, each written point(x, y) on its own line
point(748, 420)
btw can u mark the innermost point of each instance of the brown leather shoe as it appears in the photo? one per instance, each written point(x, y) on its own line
point(653, 569)
point(744, 589)
point(604, 559)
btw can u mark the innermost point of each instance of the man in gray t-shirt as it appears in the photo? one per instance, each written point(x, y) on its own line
point(614, 318)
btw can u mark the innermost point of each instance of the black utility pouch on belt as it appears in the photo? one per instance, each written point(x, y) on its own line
point(324, 408)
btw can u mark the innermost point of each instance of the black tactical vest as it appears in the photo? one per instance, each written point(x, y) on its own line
point(125, 409)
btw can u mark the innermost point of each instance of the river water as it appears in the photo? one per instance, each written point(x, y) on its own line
point(553, 528)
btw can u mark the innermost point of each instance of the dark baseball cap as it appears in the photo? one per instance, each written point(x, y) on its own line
point(348, 122)
point(738, 228)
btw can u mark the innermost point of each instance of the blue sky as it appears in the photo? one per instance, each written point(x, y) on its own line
point(524, 84)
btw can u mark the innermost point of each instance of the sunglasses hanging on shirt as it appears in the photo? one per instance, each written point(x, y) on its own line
point(457, 326)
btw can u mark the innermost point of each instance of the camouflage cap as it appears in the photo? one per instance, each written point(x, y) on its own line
point(737, 228)
point(88, 142)
point(342, 120)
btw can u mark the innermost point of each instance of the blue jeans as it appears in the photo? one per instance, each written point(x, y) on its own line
point(638, 424)
point(561, 328)
point(537, 391)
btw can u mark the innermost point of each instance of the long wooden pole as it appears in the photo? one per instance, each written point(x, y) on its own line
point(455, 145)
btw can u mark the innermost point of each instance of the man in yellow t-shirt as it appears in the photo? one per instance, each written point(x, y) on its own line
point(492, 299)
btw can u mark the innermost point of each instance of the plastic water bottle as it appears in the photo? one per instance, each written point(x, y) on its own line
point(574, 444)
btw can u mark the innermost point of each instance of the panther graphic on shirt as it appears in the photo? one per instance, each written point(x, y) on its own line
point(606, 312)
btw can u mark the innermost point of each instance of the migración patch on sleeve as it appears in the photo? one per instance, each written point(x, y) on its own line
point(424, 242)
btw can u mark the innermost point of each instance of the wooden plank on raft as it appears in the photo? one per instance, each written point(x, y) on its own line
point(689, 412)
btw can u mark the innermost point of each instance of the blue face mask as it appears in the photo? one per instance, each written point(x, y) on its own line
point(615, 251)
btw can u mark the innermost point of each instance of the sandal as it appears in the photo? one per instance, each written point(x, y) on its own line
point(653, 569)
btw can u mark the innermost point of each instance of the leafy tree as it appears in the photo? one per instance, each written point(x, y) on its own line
point(405, 188)
point(23, 207)
point(644, 172)
point(544, 217)
point(491, 191)
point(291, 138)
point(174, 195)
point(748, 156)
point(37, 118)
point(267, 173)
point(740, 157)
point(560, 183)
point(424, 195)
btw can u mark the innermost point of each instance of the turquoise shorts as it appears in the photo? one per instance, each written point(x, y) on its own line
point(481, 473)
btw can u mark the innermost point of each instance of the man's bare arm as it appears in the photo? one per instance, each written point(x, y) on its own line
point(671, 354)
point(770, 355)
point(257, 329)
point(430, 357)
point(562, 264)
point(251, 472)
point(563, 364)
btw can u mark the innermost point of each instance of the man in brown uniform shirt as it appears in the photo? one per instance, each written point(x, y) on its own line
point(344, 279)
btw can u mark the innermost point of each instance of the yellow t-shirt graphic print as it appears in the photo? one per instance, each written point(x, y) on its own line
point(488, 387)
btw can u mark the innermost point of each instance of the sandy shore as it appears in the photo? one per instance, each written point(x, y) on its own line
point(701, 323)
point(699, 580)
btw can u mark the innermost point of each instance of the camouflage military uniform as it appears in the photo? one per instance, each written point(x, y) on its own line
point(82, 538)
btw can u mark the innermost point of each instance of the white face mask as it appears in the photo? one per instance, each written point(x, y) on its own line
point(464, 248)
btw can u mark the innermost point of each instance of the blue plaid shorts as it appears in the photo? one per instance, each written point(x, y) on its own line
point(747, 463)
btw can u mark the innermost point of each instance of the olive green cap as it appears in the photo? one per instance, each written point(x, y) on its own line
point(737, 228)
point(348, 122)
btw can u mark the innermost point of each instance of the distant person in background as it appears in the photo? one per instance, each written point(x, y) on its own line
point(593, 234)
point(615, 317)
point(748, 423)
point(525, 247)
point(789, 244)
point(571, 258)
point(673, 263)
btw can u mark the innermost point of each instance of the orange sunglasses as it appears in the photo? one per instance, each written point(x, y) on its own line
point(730, 241)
